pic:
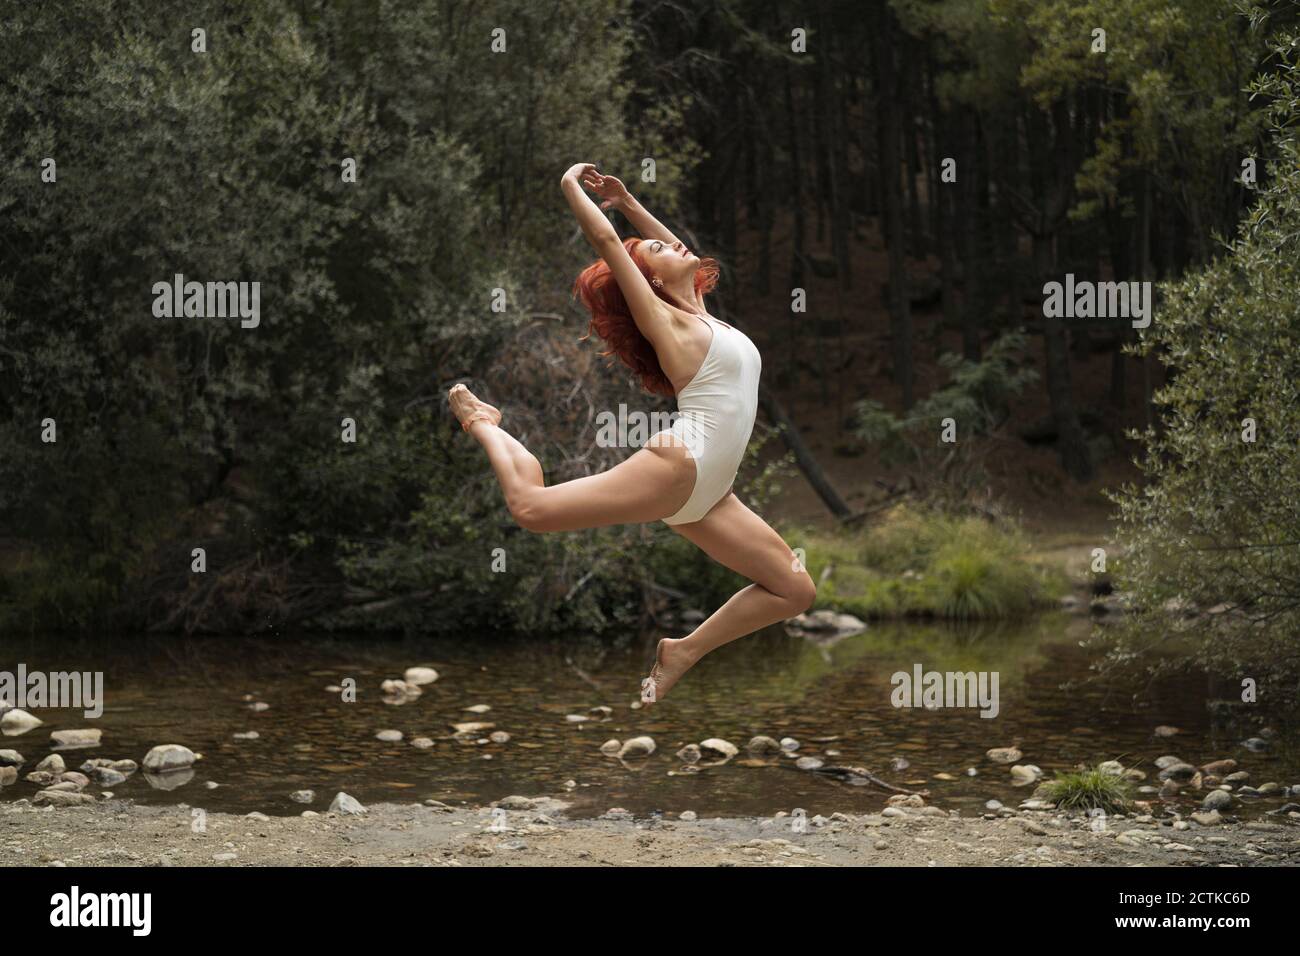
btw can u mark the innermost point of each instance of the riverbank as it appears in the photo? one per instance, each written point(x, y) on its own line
point(537, 833)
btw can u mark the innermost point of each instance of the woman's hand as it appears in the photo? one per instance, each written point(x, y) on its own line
point(610, 189)
point(578, 172)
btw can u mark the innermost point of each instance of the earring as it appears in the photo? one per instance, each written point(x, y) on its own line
point(657, 282)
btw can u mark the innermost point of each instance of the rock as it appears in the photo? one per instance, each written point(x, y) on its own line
point(224, 857)
point(1208, 818)
point(992, 805)
point(11, 758)
point(789, 744)
point(1253, 744)
point(389, 736)
point(247, 735)
point(42, 778)
point(691, 753)
point(717, 747)
point(347, 805)
point(762, 745)
point(76, 738)
point(259, 817)
point(80, 779)
point(1168, 760)
point(576, 718)
point(1004, 754)
point(1031, 826)
point(1217, 800)
point(611, 747)
point(478, 708)
point(906, 800)
point(106, 777)
point(420, 676)
point(258, 706)
point(1178, 771)
point(8, 776)
point(688, 816)
point(601, 711)
point(516, 802)
point(1164, 730)
point(52, 764)
point(400, 688)
point(1111, 768)
point(499, 737)
point(1221, 767)
point(1240, 776)
point(473, 727)
point(637, 747)
point(18, 721)
point(809, 763)
point(1268, 789)
point(303, 796)
point(422, 743)
point(1024, 774)
point(166, 758)
point(899, 764)
point(62, 798)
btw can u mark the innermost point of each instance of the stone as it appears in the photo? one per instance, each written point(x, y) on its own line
point(611, 747)
point(389, 736)
point(1024, 774)
point(1004, 754)
point(303, 796)
point(62, 798)
point(107, 777)
point(347, 805)
point(1217, 800)
point(809, 763)
point(11, 758)
point(53, 764)
point(166, 758)
point(76, 738)
point(420, 676)
point(422, 743)
point(637, 747)
point(18, 721)
point(717, 747)
point(1207, 818)
point(690, 753)
point(763, 745)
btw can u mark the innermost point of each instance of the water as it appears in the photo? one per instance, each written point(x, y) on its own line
point(830, 698)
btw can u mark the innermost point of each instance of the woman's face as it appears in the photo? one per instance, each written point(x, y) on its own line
point(670, 261)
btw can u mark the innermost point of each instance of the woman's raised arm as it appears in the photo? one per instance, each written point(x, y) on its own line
point(650, 315)
point(615, 195)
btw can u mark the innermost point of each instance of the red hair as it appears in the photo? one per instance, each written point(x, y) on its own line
point(611, 317)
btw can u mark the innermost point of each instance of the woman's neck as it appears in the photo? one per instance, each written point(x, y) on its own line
point(684, 295)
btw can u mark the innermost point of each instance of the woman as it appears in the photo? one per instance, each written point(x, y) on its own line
point(646, 298)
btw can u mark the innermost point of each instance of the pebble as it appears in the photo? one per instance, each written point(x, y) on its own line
point(168, 757)
point(303, 796)
point(52, 764)
point(1217, 800)
point(688, 816)
point(420, 676)
point(637, 747)
point(1207, 819)
point(348, 805)
point(717, 747)
point(11, 758)
point(422, 743)
point(1004, 754)
point(18, 721)
point(762, 745)
point(389, 736)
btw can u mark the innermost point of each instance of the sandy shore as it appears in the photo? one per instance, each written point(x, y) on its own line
point(118, 833)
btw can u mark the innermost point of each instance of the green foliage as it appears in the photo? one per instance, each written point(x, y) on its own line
point(1089, 789)
point(976, 398)
point(225, 165)
point(1216, 522)
point(924, 563)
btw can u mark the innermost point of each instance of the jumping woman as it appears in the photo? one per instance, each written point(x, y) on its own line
point(646, 298)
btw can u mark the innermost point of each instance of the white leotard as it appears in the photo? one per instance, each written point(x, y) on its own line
point(715, 416)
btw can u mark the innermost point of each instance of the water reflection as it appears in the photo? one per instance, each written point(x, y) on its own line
point(558, 702)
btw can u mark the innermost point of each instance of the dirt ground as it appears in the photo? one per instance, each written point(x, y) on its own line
point(118, 833)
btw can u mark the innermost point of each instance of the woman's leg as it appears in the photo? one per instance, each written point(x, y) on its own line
point(652, 484)
point(734, 536)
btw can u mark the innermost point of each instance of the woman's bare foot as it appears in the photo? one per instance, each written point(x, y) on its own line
point(672, 660)
point(466, 406)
